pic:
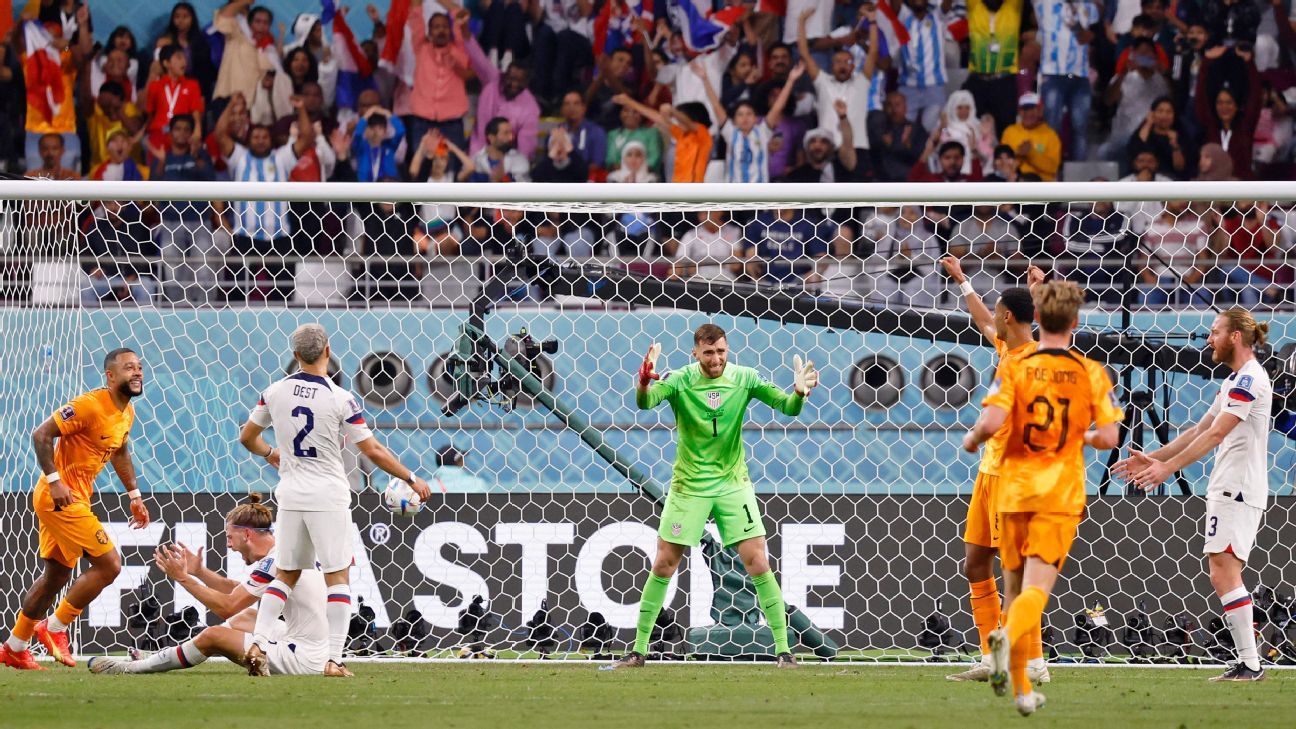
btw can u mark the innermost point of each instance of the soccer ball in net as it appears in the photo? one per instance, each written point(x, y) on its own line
point(400, 499)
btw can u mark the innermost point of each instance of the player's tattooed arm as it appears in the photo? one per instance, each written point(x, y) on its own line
point(982, 317)
point(43, 443)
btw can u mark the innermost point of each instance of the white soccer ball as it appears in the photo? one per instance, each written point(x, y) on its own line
point(401, 499)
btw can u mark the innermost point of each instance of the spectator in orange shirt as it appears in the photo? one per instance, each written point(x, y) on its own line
point(688, 130)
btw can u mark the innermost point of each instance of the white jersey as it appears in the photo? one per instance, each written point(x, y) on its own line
point(1241, 465)
point(305, 621)
point(313, 420)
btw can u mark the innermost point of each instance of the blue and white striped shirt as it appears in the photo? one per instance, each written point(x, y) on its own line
point(922, 59)
point(1060, 53)
point(747, 159)
point(877, 90)
point(260, 219)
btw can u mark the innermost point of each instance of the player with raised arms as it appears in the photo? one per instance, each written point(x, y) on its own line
point(709, 399)
point(314, 420)
point(1236, 427)
point(1048, 400)
point(1008, 329)
point(91, 431)
point(301, 645)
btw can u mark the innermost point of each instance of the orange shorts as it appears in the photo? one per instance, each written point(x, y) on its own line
point(1035, 534)
point(70, 533)
point(982, 518)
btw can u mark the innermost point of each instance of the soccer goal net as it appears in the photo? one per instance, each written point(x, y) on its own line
point(493, 333)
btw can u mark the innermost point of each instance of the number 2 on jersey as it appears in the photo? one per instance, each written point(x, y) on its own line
point(298, 451)
point(1049, 411)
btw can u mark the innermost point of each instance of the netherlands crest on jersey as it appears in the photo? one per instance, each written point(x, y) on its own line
point(713, 400)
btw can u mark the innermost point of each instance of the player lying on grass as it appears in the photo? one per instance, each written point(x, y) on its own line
point(90, 431)
point(1008, 329)
point(1236, 427)
point(709, 399)
point(1048, 400)
point(301, 645)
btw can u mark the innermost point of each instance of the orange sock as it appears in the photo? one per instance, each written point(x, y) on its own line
point(65, 615)
point(1036, 638)
point(985, 610)
point(1023, 620)
point(23, 628)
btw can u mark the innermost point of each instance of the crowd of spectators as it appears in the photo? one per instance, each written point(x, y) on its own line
point(611, 91)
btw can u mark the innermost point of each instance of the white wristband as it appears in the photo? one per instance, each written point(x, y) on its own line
point(134, 495)
point(966, 288)
point(52, 476)
point(410, 478)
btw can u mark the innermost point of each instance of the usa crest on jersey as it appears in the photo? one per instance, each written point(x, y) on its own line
point(713, 400)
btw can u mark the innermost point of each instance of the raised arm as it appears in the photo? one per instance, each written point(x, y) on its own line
point(305, 128)
point(223, 138)
point(803, 45)
point(775, 115)
point(722, 116)
point(846, 152)
point(644, 110)
point(982, 317)
point(871, 57)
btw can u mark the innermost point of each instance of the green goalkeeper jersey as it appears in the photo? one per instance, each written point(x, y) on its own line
point(709, 414)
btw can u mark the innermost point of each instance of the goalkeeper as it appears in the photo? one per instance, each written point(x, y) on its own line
point(709, 399)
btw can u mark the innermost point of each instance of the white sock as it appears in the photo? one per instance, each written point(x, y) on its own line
point(16, 644)
point(268, 611)
point(54, 625)
point(1035, 664)
point(1239, 616)
point(185, 655)
point(338, 611)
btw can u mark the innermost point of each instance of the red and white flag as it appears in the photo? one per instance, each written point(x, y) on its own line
point(892, 30)
point(43, 71)
point(398, 49)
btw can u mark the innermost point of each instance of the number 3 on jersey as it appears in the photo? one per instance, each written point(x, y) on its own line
point(1041, 405)
point(302, 410)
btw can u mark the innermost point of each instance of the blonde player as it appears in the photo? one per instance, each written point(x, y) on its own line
point(1236, 427)
point(1047, 400)
point(92, 431)
point(1008, 328)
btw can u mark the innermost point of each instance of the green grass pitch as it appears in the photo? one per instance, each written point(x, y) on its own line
point(478, 694)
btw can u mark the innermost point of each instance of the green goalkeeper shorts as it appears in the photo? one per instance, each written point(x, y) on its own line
point(737, 517)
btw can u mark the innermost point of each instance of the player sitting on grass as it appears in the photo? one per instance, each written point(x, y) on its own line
point(1008, 328)
point(1236, 427)
point(92, 430)
point(709, 399)
point(1048, 400)
point(302, 644)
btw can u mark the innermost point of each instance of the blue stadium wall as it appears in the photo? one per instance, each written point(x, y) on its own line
point(205, 369)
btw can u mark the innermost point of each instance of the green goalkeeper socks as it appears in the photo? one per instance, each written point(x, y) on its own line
point(771, 603)
point(654, 595)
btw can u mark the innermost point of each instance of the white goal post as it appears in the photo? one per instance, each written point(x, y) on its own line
point(501, 325)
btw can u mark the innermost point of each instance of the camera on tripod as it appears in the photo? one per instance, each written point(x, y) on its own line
point(1091, 632)
point(474, 363)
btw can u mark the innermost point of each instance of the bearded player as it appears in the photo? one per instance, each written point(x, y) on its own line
point(1236, 427)
point(302, 645)
point(1008, 328)
point(1048, 400)
point(72, 447)
point(709, 399)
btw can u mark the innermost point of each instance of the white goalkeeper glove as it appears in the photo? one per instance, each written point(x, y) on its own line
point(806, 376)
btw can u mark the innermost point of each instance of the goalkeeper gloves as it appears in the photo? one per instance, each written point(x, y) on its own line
point(647, 370)
point(806, 376)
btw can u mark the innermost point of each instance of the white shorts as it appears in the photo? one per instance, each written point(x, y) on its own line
point(1231, 526)
point(290, 658)
point(304, 538)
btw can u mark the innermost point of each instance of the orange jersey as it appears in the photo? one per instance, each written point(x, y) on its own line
point(91, 430)
point(994, 448)
point(1051, 396)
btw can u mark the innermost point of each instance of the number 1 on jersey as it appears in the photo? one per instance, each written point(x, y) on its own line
point(715, 428)
point(298, 451)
